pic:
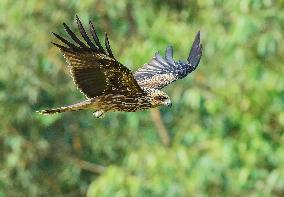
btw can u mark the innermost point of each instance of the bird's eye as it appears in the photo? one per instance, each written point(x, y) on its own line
point(161, 98)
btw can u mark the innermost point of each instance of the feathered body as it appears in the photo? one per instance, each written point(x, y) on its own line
point(110, 86)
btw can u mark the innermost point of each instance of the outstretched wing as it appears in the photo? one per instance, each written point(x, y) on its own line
point(160, 71)
point(95, 70)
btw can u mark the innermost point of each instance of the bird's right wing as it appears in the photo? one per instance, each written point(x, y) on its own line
point(160, 71)
point(95, 70)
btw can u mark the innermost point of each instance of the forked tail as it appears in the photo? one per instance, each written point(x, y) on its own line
point(78, 106)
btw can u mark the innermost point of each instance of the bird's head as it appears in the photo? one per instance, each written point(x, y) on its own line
point(160, 98)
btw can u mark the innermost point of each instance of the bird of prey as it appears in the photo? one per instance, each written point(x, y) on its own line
point(109, 85)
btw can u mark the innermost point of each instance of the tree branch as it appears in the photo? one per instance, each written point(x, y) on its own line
point(85, 165)
point(161, 129)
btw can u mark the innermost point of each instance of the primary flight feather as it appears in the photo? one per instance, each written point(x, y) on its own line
point(110, 86)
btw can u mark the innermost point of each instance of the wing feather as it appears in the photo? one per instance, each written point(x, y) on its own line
point(84, 34)
point(160, 71)
point(95, 70)
point(95, 36)
point(69, 44)
point(169, 55)
point(108, 46)
point(74, 37)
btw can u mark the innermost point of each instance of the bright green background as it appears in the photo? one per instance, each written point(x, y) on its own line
point(227, 120)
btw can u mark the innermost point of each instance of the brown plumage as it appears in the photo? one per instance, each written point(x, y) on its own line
point(110, 86)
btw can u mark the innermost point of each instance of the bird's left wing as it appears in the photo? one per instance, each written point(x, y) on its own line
point(160, 71)
point(95, 70)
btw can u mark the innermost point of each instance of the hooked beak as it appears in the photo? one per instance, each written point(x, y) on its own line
point(169, 104)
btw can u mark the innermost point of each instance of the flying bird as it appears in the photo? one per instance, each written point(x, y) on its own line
point(109, 85)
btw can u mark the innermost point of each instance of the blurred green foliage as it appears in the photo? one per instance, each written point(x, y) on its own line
point(226, 124)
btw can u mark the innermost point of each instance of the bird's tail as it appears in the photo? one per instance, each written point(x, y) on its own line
point(77, 106)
